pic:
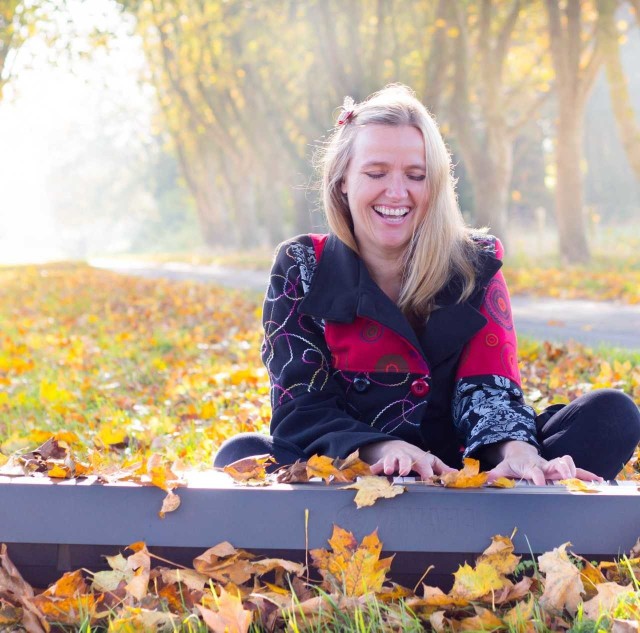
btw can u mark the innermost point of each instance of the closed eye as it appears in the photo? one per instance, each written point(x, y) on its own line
point(375, 175)
point(417, 177)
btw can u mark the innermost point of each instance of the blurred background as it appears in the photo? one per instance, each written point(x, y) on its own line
point(189, 126)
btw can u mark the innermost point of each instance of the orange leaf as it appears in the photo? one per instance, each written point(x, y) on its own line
point(469, 477)
point(351, 568)
point(337, 470)
point(500, 555)
point(577, 485)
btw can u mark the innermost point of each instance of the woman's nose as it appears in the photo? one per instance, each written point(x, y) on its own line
point(397, 188)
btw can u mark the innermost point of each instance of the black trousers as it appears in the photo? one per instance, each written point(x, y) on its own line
point(600, 430)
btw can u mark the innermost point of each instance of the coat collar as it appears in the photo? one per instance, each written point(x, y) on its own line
point(343, 289)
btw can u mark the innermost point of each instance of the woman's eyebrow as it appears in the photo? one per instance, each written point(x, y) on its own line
point(381, 163)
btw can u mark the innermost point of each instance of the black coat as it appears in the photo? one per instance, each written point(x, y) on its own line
point(347, 369)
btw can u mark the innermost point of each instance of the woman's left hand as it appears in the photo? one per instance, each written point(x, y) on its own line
point(521, 461)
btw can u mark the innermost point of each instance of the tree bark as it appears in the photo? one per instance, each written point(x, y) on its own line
point(624, 114)
point(575, 71)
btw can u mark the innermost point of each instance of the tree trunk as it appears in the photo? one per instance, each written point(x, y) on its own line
point(569, 196)
point(628, 128)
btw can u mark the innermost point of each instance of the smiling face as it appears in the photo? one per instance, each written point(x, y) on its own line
point(385, 184)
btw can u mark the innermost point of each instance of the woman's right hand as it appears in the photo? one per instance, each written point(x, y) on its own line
point(397, 457)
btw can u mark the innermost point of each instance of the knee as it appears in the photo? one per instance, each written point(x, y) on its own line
point(241, 446)
point(618, 412)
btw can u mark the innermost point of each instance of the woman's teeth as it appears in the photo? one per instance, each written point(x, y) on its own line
point(389, 212)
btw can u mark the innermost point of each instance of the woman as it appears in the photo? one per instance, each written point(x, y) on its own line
point(393, 334)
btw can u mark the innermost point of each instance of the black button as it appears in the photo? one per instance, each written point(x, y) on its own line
point(361, 384)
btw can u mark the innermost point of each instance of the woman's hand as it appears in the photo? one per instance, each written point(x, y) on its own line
point(395, 456)
point(521, 461)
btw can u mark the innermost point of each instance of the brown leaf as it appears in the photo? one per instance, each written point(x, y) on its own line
point(170, 503)
point(225, 564)
point(372, 488)
point(293, 474)
point(625, 626)
point(266, 565)
point(351, 568)
point(188, 577)
point(469, 477)
point(514, 592)
point(249, 469)
point(230, 617)
point(68, 600)
point(562, 586)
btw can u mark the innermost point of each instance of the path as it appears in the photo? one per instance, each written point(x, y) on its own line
point(590, 322)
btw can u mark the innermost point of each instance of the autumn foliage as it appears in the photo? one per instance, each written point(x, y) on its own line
point(138, 379)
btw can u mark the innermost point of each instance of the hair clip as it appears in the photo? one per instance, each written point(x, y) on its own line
point(348, 108)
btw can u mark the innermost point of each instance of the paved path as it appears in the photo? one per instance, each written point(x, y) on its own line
point(590, 322)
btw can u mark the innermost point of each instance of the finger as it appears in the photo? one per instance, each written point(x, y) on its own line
point(377, 468)
point(405, 464)
point(557, 469)
point(503, 469)
point(390, 465)
point(586, 475)
point(536, 475)
point(440, 468)
point(423, 468)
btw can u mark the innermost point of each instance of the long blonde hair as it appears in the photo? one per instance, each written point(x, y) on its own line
point(441, 245)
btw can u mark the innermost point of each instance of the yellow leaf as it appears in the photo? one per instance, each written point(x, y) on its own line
point(484, 620)
point(577, 485)
point(469, 477)
point(472, 584)
point(337, 470)
point(500, 555)
point(372, 488)
point(503, 482)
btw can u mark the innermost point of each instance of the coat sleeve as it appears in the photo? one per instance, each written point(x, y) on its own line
point(308, 405)
point(488, 403)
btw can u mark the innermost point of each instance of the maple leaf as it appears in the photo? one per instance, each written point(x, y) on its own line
point(502, 482)
point(563, 584)
point(500, 555)
point(293, 474)
point(188, 577)
point(372, 488)
point(230, 617)
point(225, 564)
point(249, 469)
point(472, 584)
point(68, 600)
point(354, 569)
point(160, 473)
point(609, 594)
point(337, 470)
point(110, 580)
point(469, 477)
point(140, 564)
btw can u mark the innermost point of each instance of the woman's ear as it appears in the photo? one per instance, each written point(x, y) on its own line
point(343, 186)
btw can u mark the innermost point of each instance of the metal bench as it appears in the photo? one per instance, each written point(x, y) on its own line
point(51, 527)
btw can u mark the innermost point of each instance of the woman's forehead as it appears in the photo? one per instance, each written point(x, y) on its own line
point(381, 144)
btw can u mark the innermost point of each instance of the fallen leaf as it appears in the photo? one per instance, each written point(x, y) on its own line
point(188, 577)
point(469, 477)
point(519, 619)
point(577, 485)
point(293, 474)
point(502, 482)
point(140, 564)
point(625, 626)
point(351, 568)
point(472, 584)
point(230, 617)
point(170, 503)
point(68, 600)
point(484, 620)
point(372, 488)
point(608, 595)
point(249, 469)
point(562, 585)
point(500, 555)
point(337, 470)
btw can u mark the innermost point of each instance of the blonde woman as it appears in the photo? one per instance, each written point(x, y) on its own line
point(393, 334)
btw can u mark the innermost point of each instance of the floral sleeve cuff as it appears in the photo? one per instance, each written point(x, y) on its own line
point(490, 409)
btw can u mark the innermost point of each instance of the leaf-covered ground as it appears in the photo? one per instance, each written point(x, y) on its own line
point(136, 374)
